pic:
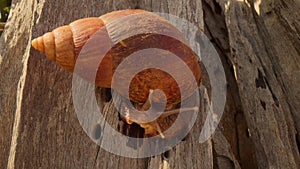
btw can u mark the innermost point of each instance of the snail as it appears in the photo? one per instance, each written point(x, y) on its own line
point(139, 30)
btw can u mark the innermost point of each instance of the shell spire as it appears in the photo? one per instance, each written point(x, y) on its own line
point(63, 44)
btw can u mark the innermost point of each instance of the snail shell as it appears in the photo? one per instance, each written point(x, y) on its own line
point(64, 44)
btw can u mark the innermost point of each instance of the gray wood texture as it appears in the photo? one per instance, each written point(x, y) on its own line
point(258, 42)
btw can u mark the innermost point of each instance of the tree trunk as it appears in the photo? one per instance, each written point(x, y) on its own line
point(258, 43)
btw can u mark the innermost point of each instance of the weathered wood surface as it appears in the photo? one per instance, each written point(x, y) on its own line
point(258, 43)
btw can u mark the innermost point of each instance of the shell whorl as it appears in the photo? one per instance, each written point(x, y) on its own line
point(63, 44)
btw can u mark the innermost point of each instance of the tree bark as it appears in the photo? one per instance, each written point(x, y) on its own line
point(258, 43)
